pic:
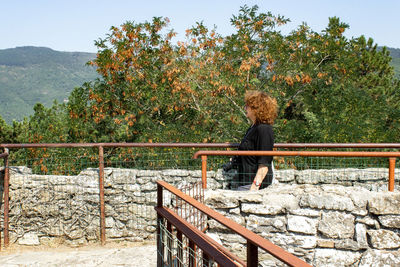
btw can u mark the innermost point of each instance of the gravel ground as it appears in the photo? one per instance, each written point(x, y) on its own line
point(140, 256)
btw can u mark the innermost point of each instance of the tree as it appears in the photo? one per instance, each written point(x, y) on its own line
point(138, 93)
point(329, 88)
point(332, 86)
point(48, 125)
point(221, 69)
point(5, 132)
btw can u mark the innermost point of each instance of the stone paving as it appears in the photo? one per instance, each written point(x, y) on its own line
point(135, 256)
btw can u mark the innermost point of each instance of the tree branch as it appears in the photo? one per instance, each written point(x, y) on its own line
point(195, 102)
point(325, 58)
point(236, 105)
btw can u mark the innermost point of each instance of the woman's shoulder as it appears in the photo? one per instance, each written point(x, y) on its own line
point(263, 127)
point(261, 130)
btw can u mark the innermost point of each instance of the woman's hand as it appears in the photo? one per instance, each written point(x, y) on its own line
point(254, 187)
point(261, 173)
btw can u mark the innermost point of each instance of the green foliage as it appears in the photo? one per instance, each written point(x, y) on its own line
point(47, 125)
point(5, 132)
point(12, 133)
point(332, 89)
point(134, 95)
point(329, 88)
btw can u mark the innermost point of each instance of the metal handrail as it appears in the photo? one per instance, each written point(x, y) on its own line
point(298, 153)
point(101, 147)
point(203, 145)
point(337, 145)
point(391, 155)
point(254, 241)
point(75, 145)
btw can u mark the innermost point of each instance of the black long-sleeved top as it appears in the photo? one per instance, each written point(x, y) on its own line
point(257, 137)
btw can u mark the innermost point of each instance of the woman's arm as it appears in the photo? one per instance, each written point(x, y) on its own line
point(258, 179)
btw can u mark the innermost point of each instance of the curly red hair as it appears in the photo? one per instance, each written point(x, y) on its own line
point(264, 106)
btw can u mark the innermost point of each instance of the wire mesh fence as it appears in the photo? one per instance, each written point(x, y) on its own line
point(222, 239)
point(54, 192)
point(303, 163)
point(45, 208)
point(54, 197)
point(177, 246)
point(71, 161)
point(371, 173)
point(175, 250)
point(55, 161)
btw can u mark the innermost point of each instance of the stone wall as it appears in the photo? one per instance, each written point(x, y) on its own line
point(53, 209)
point(326, 225)
point(342, 217)
point(373, 179)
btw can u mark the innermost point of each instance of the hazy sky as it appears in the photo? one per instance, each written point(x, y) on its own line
point(73, 25)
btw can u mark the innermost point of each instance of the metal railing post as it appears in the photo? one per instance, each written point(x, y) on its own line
point(192, 253)
point(252, 254)
point(101, 185)
point(160, 247)
point(204, 171)
point(206, 259)
point(180, 248)
point(169, 243)
point(392, 164)
point(6, 198)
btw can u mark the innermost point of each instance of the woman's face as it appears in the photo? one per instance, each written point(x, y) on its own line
point(250, 113)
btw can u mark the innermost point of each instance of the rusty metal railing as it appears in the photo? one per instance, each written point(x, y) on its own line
point(339, 145)
point(390, 155)
point(101, 147)
point(76, 145)
point(6, 187)
point(207, 145)
point(211, 250)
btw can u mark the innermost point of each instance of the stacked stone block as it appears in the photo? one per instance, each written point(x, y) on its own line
point(327, 225)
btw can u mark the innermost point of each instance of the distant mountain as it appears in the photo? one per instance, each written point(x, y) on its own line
point(395, 53)
point(29, 75)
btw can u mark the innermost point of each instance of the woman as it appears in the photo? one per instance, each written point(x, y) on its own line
point(261, 109)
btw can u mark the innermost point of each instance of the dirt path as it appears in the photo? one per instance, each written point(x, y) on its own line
point(140, 255)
